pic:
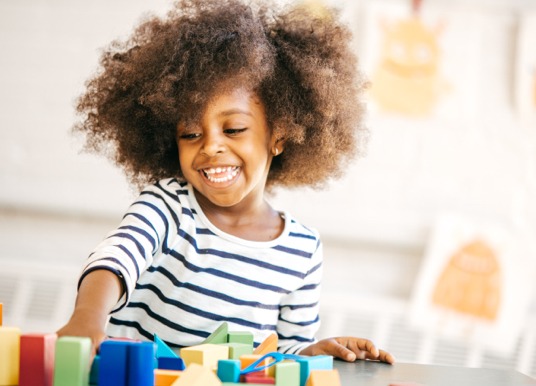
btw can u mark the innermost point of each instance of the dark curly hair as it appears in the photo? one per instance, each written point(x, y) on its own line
point(299, 63)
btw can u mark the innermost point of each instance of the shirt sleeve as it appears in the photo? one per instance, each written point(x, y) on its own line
point(299, 318)
point(129, 250)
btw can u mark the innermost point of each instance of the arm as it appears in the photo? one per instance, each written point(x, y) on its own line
point(349, 349)
point(98, 293)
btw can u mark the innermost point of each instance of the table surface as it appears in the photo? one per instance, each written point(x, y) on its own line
point(368, 373)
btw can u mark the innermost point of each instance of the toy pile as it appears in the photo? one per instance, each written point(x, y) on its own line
point(225, 358)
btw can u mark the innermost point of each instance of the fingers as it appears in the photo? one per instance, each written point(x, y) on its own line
point(362, 349)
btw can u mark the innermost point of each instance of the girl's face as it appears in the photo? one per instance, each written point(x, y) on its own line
point(226, 155)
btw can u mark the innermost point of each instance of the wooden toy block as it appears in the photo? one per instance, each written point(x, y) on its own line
point(140, 365)
point(219, 335)
point(228, 370)
point(72, 361)
point(9, 355)
point(259, 379)
point(1, 314)
point(236, 350)
point(197, 375)
point(37, 359)
point(113, 363)
point(245, 337)
point(167, 363)
point(324, 378)
point(309, 363)
point(165, 377)
point(288, 374)
point(268, 345)
point(94, 371)
point(206, 355)
point(246, 360)
point(162, 349)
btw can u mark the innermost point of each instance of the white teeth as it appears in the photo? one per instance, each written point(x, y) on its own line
point(231, 171)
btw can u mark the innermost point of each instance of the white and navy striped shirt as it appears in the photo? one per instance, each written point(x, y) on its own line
point(183, 276)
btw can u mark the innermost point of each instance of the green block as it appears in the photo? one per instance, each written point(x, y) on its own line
point(72, 361)
point(240, 337)
point(287, 374)
point(236, 350)
point(218, 336)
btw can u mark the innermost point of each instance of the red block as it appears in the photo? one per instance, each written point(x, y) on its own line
point(259, 379)
point(37, 359)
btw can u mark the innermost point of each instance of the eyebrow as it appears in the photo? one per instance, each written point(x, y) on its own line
point(235, 111)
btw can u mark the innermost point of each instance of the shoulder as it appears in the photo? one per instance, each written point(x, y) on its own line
point(302, 234)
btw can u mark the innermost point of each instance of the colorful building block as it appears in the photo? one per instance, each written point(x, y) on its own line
point(1, 314)
point(236, 350)
point(287, 373)
point(206, 355)
point(197, 375)
point(268, 345)
point(94, 371)
point(324, 378)
point(162, 349)
point(219, 335)
point(309, 363)
point(37, 359)
point(72, 361)
point(168, 363)
point(9, 355)
point(259, 379)
point(113, 363)
point(228, 370)
point(246, 360)
point(140, 364)
point(165, 377)
point(245, 337)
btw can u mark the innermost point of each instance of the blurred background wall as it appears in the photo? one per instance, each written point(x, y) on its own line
point(473, 155)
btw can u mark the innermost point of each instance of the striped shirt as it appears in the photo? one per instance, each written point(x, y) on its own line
point(183, 277)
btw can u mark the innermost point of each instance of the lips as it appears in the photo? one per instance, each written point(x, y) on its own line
point(221, 174)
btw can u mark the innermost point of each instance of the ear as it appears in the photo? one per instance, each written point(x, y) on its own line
point(277, 142)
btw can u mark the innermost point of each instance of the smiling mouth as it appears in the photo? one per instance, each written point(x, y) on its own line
point(221, 174)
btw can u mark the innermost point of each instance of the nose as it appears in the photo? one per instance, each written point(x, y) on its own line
point(213, 143)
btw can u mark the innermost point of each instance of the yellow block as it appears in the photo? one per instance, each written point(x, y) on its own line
point(197, 375)
point(324, 378)
point(206, 355)
point(9, 355)
point(166, 377)
point(268, 345)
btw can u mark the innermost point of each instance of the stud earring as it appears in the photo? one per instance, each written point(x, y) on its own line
point(276, 152)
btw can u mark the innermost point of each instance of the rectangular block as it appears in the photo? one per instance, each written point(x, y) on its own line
point(1, 314)
point(324, 378)
point(246, 360)
point(206, 355)
point(167, 363)
point(140, 365)
point(72, 361)
point(259, 379)
point(288, 374)
point(37, 359)
point(113, 363)
point(309, 363)
point(236, 350)
point(228, 370)
point(165, 377)
point(245, 337)
point(9, 355)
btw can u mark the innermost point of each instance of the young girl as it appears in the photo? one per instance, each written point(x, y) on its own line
point(208, 108)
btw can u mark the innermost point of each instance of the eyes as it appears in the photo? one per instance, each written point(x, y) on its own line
point(197, 133)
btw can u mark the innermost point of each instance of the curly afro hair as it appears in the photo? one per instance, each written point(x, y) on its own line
point(299, 63)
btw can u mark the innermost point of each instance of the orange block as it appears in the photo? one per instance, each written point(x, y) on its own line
point(166, 377)
point(324, 378)
point(268, 345)
point(246, 360)
point(1, 310)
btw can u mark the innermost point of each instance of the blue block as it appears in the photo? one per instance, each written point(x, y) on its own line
point(140, 368)
point(318, 362)
point(113, 363)
point(229, 370)
point(168, 363)
point(94, 373)
point(162, 349)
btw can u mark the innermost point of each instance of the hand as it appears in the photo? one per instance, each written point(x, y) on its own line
point(84, 325)
point(349, 349)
